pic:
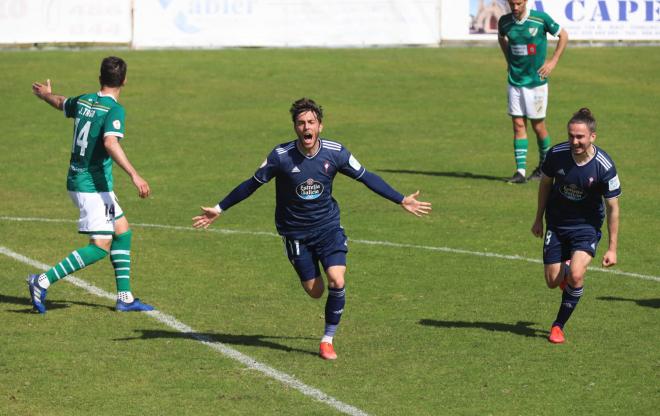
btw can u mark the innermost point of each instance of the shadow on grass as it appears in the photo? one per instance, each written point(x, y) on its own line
point(519, 328)
point(647, 303)
point(460, 175)
point(263, 341)
point(50, 304)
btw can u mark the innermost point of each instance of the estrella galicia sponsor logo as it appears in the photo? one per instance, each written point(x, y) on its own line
point(572, 192)
point(310, 189)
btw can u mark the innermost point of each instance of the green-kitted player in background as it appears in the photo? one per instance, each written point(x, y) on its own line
point(98, 128)
point(523, 39)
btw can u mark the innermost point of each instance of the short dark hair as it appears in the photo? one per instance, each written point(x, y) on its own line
point(586, 117)
point(304, 105)
point(113, 72)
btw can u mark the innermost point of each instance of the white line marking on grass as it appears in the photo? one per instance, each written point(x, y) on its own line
point(368, 242)
point(173, 323)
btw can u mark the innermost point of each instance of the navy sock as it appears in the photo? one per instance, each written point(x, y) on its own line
point(569, 300)
point(334, 307)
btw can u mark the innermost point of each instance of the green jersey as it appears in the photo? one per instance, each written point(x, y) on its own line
point(96, 116)
point(527, 46)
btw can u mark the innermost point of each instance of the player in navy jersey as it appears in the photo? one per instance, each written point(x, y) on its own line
point(578, 186)
point(306, 214)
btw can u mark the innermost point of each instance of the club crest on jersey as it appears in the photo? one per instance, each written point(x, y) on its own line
point(533, 31)
point(310, 189)
point(326, 165)
point(572, 192)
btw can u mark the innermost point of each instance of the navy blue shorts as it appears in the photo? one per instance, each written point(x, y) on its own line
point(329, 247)
point(560, 243)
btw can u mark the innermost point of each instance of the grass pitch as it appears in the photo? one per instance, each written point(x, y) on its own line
point(425, 332)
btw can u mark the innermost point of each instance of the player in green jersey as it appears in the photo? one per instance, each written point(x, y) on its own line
point(98, 128)
point(523, 39)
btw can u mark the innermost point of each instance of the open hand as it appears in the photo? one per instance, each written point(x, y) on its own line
point(206, 218)
point(412, 205)
point(42, 90)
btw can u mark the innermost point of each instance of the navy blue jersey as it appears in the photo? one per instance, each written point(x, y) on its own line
point(303, 185)
point(577, 192)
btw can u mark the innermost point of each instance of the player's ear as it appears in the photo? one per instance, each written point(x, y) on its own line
point(320, 127)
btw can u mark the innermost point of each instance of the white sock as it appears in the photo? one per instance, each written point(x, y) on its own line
point(126, 297)
point(43, 281)
point(326, 339)
point(522, 171)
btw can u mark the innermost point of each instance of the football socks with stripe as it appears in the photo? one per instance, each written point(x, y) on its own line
point(520, 154)
point(120, 256)
point(75, 261)
point(544, 147)
point(334, 307)
point(569, 300)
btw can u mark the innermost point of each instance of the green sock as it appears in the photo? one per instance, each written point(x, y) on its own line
point(77, 260)
point(520, 153)
point(120, 256)
point(544, 146)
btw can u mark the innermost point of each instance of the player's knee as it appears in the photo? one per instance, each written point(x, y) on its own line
point(576, 278)
point(336, 283)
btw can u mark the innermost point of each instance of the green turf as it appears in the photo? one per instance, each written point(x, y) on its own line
point(424, 333)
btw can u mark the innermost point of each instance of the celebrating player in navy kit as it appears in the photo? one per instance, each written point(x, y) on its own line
point(306, 214)
point(577, 176)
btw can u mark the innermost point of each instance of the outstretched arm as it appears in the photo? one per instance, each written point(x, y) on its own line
point(241, 192)
point(45, 92)
point(612, 207)
point(382, 188)
point(117, 154)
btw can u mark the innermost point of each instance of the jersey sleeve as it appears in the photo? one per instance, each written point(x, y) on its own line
point(70, 105)
point(611, 184)
point(349, 165)
point(114, 124)
point(268, 168)
point(550, 25)
point(547, 166)
point(500, 27)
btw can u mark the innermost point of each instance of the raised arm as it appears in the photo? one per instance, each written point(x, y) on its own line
point(45, 92)
point(545, 186)
point(549, 65)
point(117, 154)
point(612, 207)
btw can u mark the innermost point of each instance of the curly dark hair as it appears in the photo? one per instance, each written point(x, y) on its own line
point(303, 105)
point(586, 117)
point(113, 72)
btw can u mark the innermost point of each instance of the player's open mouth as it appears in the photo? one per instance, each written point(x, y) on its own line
point(307, 136)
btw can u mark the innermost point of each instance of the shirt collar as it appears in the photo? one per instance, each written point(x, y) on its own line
point(524, 18)
point(100, 94)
